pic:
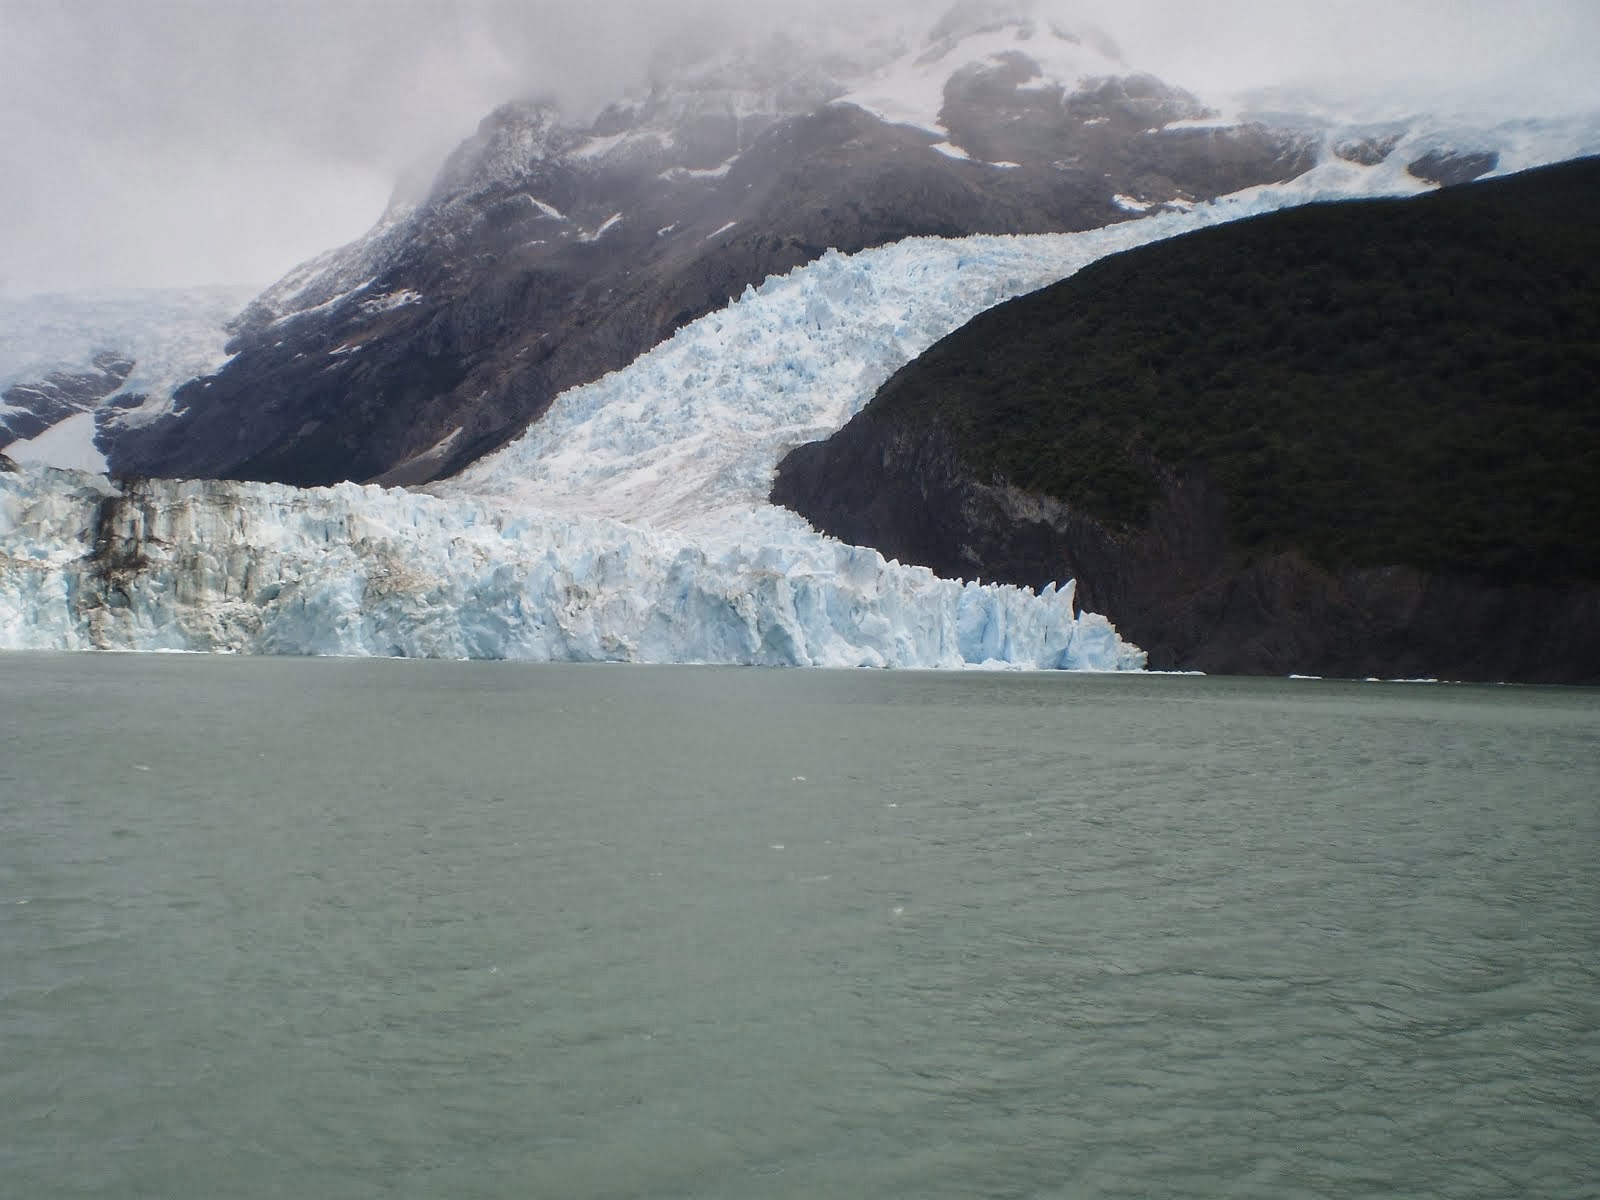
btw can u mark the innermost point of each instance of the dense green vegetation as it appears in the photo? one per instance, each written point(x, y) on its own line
point(1369, 383)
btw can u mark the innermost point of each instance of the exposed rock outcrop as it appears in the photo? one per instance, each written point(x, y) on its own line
point(1450, 168)
point(28, 409)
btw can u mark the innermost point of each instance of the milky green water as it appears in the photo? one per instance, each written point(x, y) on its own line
point(281, 928)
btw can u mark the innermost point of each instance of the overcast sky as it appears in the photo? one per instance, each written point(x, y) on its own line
point(169, 142)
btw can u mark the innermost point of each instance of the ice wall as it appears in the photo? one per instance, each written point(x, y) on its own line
point(254, 568)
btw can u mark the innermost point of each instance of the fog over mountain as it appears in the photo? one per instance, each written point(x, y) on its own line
point(175, 142)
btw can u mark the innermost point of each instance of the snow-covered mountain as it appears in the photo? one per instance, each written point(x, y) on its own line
point(632, 524)
point(74, 365)
point(624, 515)
point(549, 251)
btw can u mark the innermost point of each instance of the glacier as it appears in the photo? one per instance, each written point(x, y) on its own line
point(688, 436)
point(262, 568)
point(173, 335)
point(629, 525)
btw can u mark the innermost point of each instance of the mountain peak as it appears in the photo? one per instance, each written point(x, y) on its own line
point(996, 46)
point(508, 141)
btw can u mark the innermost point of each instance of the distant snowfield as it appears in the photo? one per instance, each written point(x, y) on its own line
point(911, 90)
point(173, 336)
point(68, 444)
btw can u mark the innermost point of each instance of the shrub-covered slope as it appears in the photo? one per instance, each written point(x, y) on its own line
point(1376, 389)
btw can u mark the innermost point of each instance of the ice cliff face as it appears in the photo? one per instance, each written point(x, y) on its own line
point(260, 568)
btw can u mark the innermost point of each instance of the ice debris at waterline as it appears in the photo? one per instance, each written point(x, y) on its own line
point(350, 570)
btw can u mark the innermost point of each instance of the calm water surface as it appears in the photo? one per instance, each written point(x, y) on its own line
point(332, 929)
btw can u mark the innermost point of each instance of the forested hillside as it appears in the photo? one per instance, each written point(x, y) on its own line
point(1377, 384)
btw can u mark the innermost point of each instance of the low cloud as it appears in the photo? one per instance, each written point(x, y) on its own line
point(180, 141)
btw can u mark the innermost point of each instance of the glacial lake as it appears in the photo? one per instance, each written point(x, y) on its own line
point(329, 929)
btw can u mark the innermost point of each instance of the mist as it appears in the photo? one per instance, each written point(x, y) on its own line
point(177, 142)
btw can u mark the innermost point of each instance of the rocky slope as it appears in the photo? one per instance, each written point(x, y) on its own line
point(1348, 440)
point(27, 410)
point(549, 252)
point(105, 361)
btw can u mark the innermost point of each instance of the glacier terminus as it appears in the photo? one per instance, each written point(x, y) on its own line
point(631, 524)
point(352, 570)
